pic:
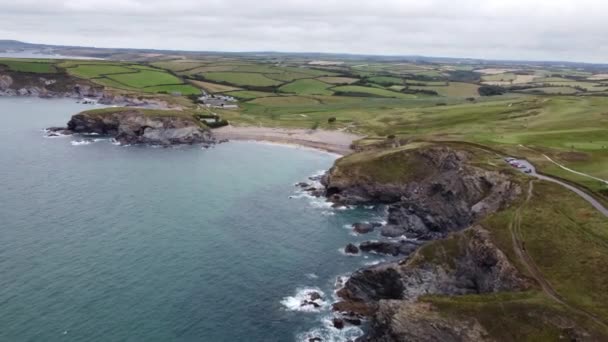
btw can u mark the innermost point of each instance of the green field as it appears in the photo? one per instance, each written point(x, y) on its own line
point(98, 70)
point(33, 67)
point(145, 78)
point(338, 80)
point(242, 79)
point(369, 91)
point(385, 80)
point(506, 77)
point(307, 87)
point(454, 89)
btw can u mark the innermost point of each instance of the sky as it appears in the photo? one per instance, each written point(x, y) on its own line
point(564, 30)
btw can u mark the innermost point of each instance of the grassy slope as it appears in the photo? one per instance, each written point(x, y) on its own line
point(306, 87)
point(568, 241)
point(26, 66)
point(564, 235)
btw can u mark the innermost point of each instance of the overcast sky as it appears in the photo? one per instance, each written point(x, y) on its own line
point(571, 30)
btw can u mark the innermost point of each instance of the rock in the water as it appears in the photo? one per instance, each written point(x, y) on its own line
point(135, 126)
point(364, 228)
point(303, 185)
point(338, 323)
point(314, 295)
point(353, 321)
point(315, 339)
point(393, 248)
point(351, 249)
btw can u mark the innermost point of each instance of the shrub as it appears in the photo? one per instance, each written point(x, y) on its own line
point(490, 90)
point(332, 119)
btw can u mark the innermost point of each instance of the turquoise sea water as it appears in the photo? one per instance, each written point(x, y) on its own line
point(109, 243)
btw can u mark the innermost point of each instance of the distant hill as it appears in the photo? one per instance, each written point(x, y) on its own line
point(125, 53)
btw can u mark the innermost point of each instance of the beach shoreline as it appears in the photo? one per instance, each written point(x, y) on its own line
point(337, 142)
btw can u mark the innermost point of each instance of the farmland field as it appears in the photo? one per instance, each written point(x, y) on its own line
point(454, 89)
point(33, 67)
point(242, 79)
point(307, 87)
point(145, 78)
point(98, 70)
point(214, 87)
point(370, 91)
point(338, 80)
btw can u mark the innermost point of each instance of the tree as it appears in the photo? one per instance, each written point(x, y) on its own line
point(491, 90)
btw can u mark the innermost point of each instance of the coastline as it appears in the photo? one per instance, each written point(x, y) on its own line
point(330, 141)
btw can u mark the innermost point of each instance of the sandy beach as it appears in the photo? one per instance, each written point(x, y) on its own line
point(332, 141)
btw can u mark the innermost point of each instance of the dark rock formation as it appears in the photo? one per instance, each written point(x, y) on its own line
point(134, 126)
point(338, 323)
point(351, 249)
point(444, 193)
point(433, 192)
point(61, 85)
point(364, 228)
point(390, 247)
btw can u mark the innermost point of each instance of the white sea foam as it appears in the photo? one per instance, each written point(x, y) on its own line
point(375, 262)
point(302, 302)
point(328, 333)
point(80, 142)
point(312, 276)
point(341, 250)
point(51, 135)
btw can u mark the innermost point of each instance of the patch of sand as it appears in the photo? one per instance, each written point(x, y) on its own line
point(333, 141)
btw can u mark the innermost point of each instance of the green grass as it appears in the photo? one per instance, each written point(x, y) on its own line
point(454, 89)
point(338, 80)
point(386, 80)
point(505, 77)
point(242, 79)
point(248, 94)
point(183, 89)
point(565, 90)
point(145, 78)
point(287, 76)
point(98, 70)
point(307, 87)
point(370, 91)
point(33, 67)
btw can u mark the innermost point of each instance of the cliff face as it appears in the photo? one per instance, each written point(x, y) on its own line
point(63, 86)
point(139, 126)
point(431, 190)
point(435, 193)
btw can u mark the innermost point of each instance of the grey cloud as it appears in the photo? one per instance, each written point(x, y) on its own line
point(515, 29)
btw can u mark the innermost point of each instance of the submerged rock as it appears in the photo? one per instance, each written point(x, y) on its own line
point(364, 228)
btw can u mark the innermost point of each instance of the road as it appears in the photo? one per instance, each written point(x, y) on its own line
point(596, 204)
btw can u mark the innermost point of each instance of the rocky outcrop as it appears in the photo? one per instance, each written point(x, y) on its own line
point(436, 195)
point(421, 322)
point(475, 266)
point(138, 126)
point(63, 86)
point(437, 191)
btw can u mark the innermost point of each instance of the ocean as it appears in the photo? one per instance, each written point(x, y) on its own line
point(100, 242)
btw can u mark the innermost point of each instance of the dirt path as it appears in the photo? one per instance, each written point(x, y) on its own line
point(574, 171)
point(520, 250)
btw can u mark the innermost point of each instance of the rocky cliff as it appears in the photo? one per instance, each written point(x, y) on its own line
point(63, 86)
point(435, 193)
point(139, 126)
point(431, 190)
